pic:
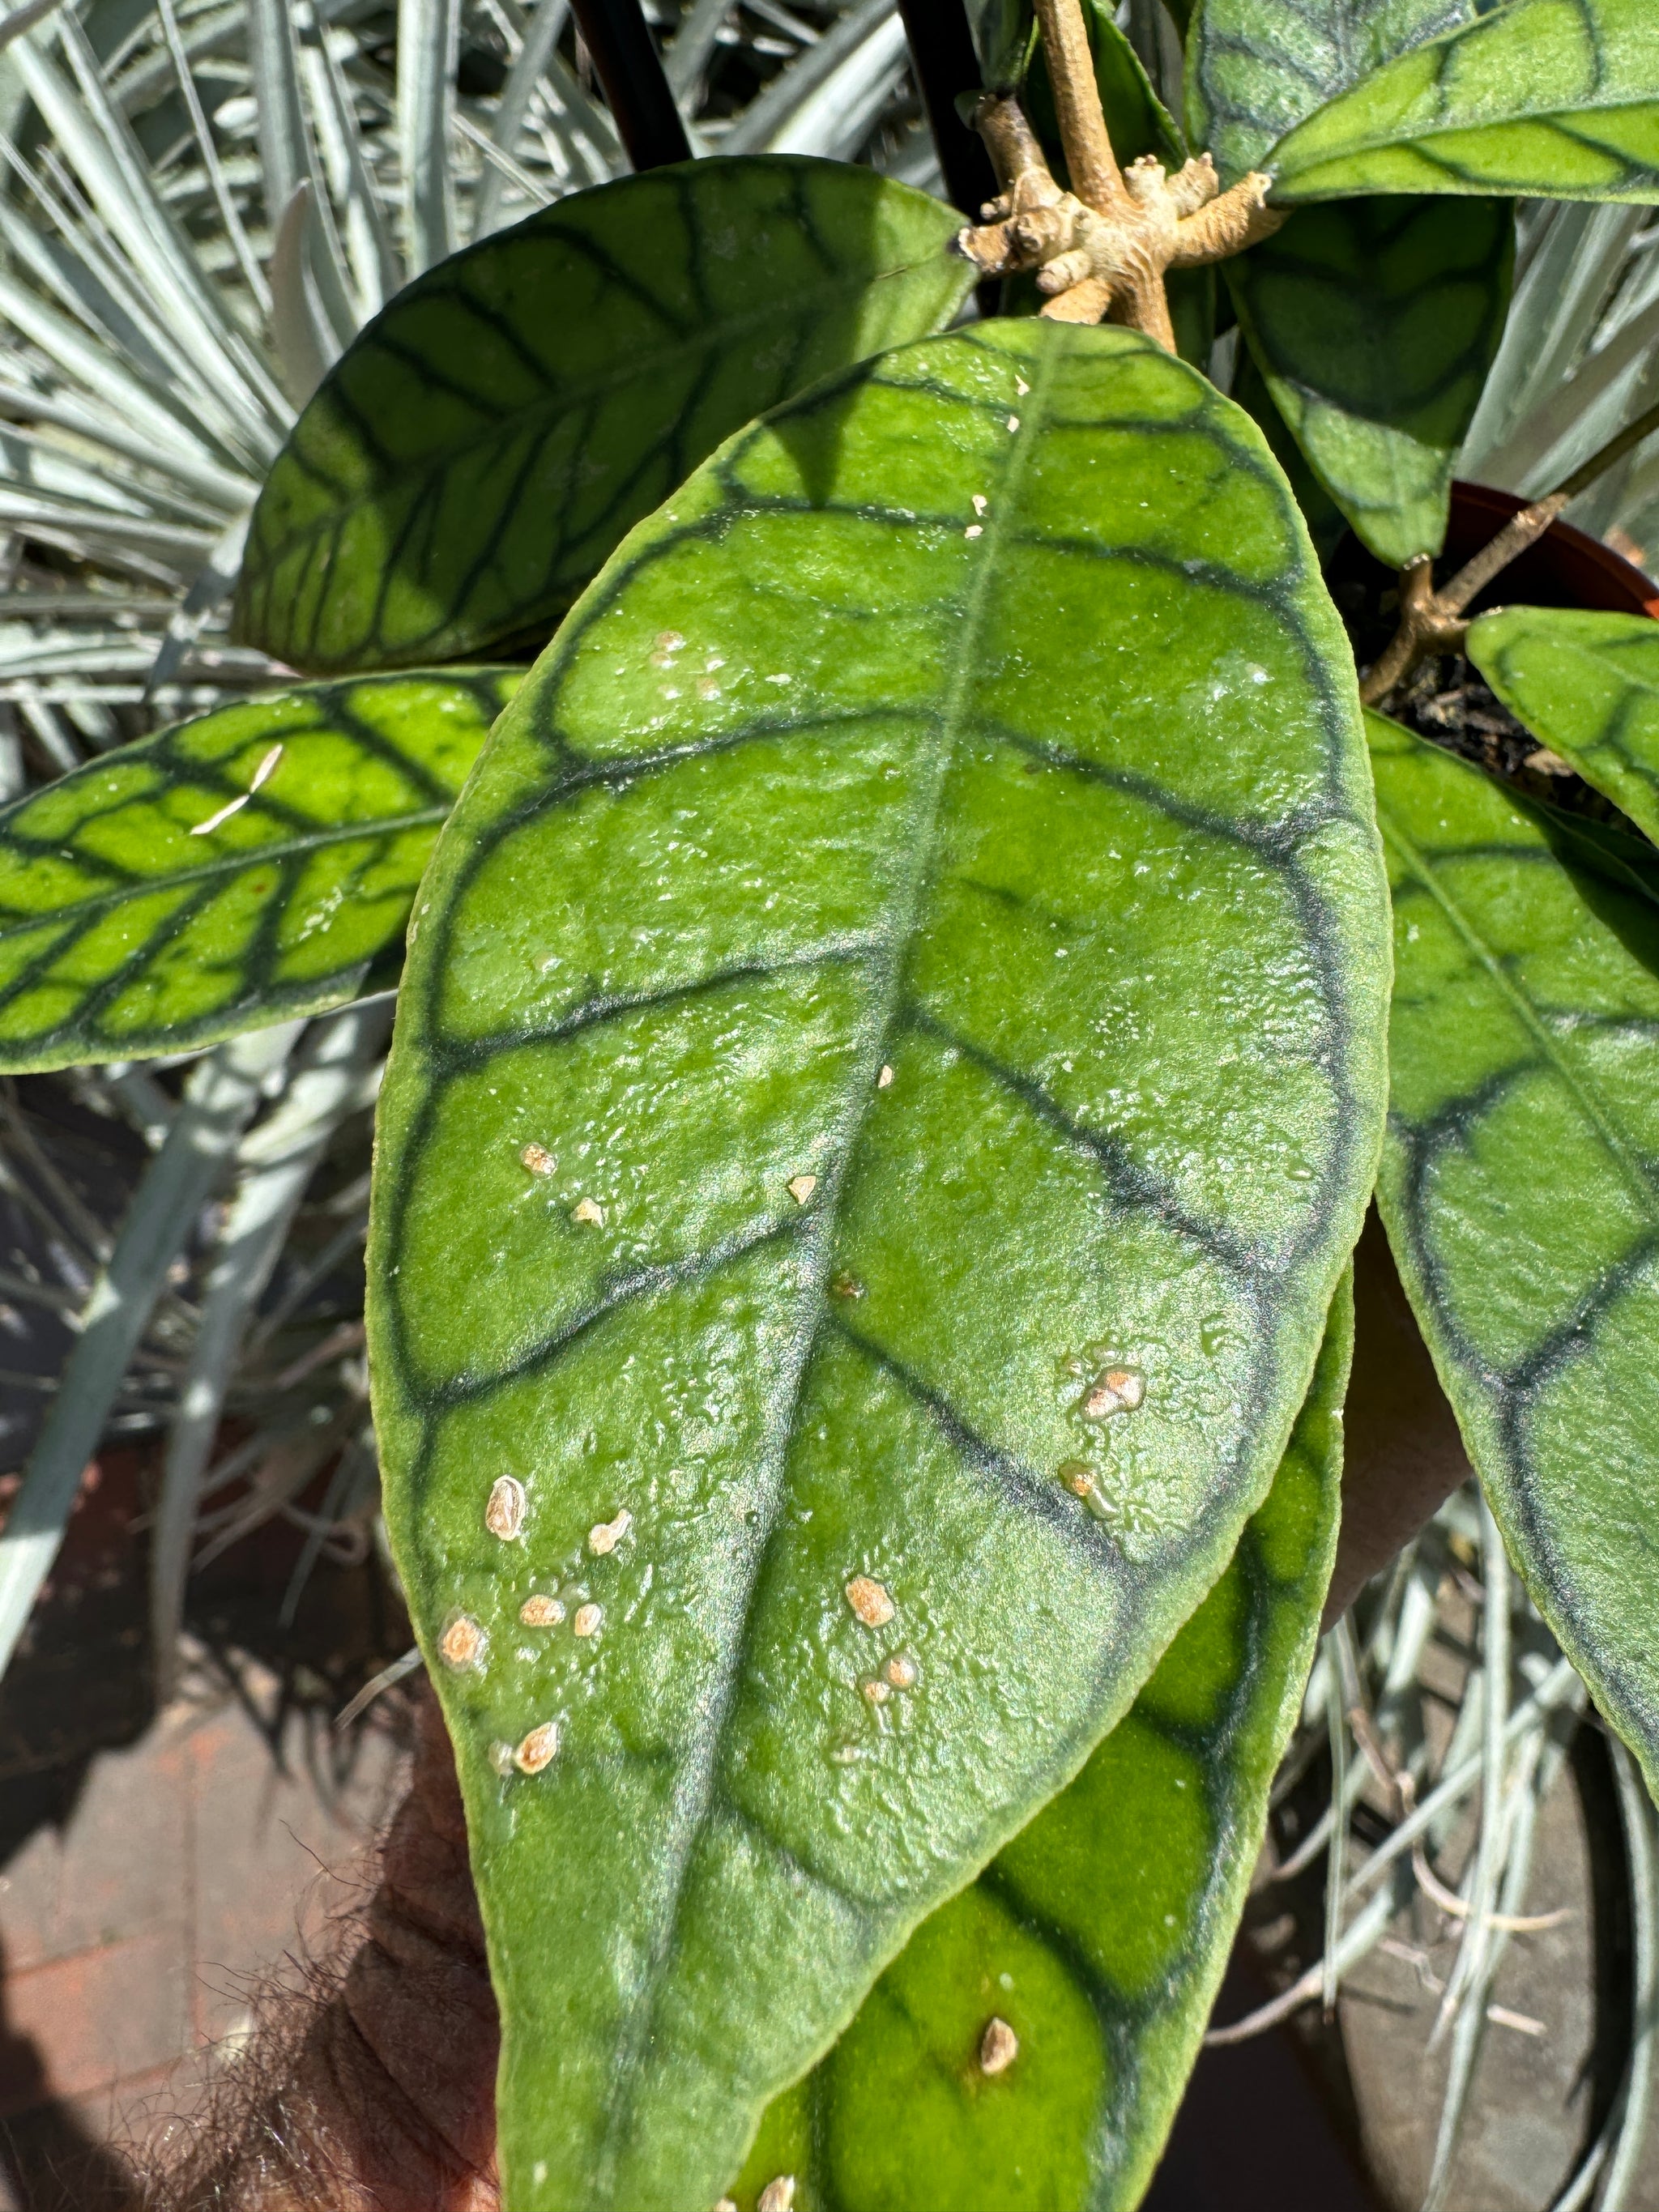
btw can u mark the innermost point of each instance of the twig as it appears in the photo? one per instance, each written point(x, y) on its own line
point(1432, 623)
point(1104, 246)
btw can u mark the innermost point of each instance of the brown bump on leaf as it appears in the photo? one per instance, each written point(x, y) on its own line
point(538, 1159)
point(504, 1513)
point(587, 1619)
point(604, 1535)
point(462, 1643)
point(589, 1211)
point(869, 1602)
point(801, 1187)
point(876, 1690)
point(541, 1612)
point(999, 2047)
point(885, 1078)
point(540, 1748)
point(778, 2195)
point(902, 1671)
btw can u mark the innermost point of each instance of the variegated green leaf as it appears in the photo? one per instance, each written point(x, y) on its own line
point(1029, 2046)
point(889, 1080)
point(1520, 1184)
point(252, 865)
point(1376, 321)
point(479, 449)
point(1254, 68)
point(1557, 98)
point(1587, 685)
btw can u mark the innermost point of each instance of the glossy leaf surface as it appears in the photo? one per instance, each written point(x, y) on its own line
point(1520, 1189)
point(1587, 685)
point(252, 865)
point(982, 719)
point(1100, 1935)
point(1254, 68)
point(1555, 97)
point(478, 451)
point(1376, 321)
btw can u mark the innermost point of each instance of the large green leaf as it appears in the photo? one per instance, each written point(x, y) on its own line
point(1256, 67)
point(1326, 521)
point(477, 452)
point(252, 865)
point(1099, 1935)
point(982, 719)
point(1376, 321)
point(1519, 1185)
point(1554, 97)
point(1588, 686)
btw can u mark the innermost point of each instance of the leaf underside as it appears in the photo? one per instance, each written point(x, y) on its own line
point(480, 448)
point(981, 718)
point(1520, 1184)
point(253, 864)
point(1376, 322)
point(1255, 68)
point(1558, 98)
point(1100, 1935)
point(1587, 685)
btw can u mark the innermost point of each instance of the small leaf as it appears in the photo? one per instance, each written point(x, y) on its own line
point(1519, 1187)
point(1376, 321)
point(1256, 67)
point(479, 449)
point(834, 836)
point(1004, 33)
point(252, 865)
point(1586, 685)
point(1558, 98)
point(1097, 1939)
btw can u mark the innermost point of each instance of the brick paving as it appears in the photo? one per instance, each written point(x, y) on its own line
point(189, 1867)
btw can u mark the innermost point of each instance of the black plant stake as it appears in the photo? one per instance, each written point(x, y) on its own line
point(641, 105)
point(947, 69)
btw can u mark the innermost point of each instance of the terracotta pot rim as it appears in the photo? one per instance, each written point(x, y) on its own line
point(1587, 563)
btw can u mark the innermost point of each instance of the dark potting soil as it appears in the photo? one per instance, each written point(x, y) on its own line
point(1449, 701)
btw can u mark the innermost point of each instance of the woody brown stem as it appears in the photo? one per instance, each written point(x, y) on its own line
point(1431, 622)
point(1096, 178)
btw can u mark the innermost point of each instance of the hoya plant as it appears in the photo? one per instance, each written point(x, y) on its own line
point(912, 962)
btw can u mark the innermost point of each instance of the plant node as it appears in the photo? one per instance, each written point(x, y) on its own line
point(1102, 248)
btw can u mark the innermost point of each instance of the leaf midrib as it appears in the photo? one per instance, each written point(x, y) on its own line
point(817, 1246)
point(582, 392)
point(99, 902)
point(1637, 1176)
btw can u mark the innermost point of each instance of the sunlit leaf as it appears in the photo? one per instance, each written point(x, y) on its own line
point(252, 865)
point(1586, 685)
point(889, 1080)
point(1099, 1935)
point(1376, 321)
point(1519, 1186)
point(1256, 67)
point(1558, 98)
point(479, 449)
